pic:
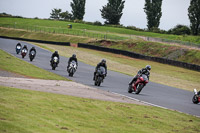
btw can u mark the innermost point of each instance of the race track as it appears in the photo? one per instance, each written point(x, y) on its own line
point(153, 93)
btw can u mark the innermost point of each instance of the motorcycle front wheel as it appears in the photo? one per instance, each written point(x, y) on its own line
point(139, 88)
point(195, 99)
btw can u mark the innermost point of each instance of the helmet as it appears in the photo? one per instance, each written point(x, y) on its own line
point(56, 52)
point(103, 61)
point(74, 56)
point(25, 46)
point(148, 67)
point(19, 43)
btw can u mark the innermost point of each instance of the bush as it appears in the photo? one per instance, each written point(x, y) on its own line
point(97, 23)
point(180, 30)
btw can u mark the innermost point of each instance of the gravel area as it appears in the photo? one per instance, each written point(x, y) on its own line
point(10, 74)
point(61, 87)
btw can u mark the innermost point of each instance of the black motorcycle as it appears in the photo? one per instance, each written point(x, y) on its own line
point(72, 68)
point(54, 63)
point(196, 97)
point(18, 49)
point(100, 75)
point(32, 55)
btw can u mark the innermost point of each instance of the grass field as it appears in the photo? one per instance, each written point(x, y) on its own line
point(23, 23)
point(15, 65)
point(160, 73)
point(24, 111)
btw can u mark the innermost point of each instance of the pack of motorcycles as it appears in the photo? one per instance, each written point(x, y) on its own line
point(139, 84)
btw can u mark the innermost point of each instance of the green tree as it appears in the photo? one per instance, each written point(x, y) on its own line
point(66, 15)
point(78, 9)
point(152, 8)
point(112, 12)
point(55, 13)
point(194, 16)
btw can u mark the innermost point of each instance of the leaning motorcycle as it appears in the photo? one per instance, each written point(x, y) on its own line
point(100, 74)
point(32, 55)
point(72, 68)
point(54, 63)
point(18, 49)
point(24, 52)
point(196, 97)
point(139, 84)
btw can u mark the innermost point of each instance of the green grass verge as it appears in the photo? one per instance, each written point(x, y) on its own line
point(24, 111)
point(155, 49)
point(15, 65)
point(43, 36)
point(23, 23)
point(160, 73)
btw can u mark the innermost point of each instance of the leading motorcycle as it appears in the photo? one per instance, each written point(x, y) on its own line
point(196, 97)
point(100, 75)
point(139, 84)
point(54, 63)
point(18, 49)
point(72, 68)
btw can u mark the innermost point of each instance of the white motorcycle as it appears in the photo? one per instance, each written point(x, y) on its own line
point(54, 63)
point(72, 68)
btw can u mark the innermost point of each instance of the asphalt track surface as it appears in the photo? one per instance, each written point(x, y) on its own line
point(153, 93)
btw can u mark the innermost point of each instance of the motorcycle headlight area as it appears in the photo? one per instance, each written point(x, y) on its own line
point(18, 47)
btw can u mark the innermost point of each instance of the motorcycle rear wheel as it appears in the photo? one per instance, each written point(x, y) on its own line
point(130, 90)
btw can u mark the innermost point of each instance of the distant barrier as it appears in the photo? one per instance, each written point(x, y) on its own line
point(38, 41)
point(140, 56)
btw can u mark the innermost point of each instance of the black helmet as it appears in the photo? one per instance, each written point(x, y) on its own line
point(103, 61)
point(19, 43)
point(56, 52)
point(74, 55)
point(25, 46)
point(148, 67)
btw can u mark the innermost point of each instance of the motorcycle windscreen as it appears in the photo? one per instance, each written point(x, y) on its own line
point(102, 70)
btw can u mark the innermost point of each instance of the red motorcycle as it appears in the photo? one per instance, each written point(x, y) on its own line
point(139, 84)
point(196, 97)
point(24, 52)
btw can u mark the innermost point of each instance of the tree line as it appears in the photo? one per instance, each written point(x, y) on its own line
point(113, 11)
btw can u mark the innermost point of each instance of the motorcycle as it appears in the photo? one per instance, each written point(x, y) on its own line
point(18, 49)
point(196, 97)
point(24, 52)
point(72, 68)
point(54, 62)
point(32, 55)
point(100, 74)
point(139, 84)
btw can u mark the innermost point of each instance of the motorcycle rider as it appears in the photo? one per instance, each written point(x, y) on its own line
point(103, 64)
point(73, 58)
point(32, 49)
point(55, 54)
point(145, 71)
